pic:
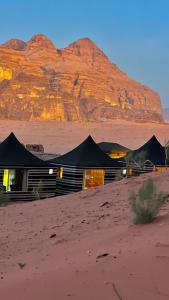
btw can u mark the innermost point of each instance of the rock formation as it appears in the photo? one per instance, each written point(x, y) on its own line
point(76, 83)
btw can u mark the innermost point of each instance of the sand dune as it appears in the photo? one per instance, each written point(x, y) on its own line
point(84, 247)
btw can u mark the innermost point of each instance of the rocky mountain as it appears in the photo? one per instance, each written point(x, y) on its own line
point(76, 83)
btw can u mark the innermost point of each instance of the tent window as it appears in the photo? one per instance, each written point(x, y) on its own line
point(92, 178)
point(60, 172)
point(15, 180)
point(117, 154)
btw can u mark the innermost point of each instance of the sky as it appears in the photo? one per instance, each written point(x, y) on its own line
point(133, 33)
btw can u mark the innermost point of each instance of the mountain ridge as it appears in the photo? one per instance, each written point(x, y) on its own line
point(75, 83)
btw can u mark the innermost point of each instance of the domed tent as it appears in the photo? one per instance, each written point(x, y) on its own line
point(84, 167)
point(151, 154)
point(24, 176)
point(114, 150)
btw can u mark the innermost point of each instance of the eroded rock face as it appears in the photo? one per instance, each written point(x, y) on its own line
point(15, 44)
point(73, 84)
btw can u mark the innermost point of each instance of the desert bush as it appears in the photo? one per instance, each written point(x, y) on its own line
point(4, 200)
point(146, 203)
point(38, 190)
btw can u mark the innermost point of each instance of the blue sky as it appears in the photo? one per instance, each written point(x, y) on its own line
point(133, 33)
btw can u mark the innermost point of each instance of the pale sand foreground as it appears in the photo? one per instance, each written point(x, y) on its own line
point(36, 266)
point(49, 248)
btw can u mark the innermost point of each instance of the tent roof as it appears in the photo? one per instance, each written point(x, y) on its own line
point(152, 150)
point(112, 147)
point(14, 154)
point(87, 154)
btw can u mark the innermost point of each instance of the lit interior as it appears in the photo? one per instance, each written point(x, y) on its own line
point(60, 172)
point(92, 178)
point(14, 180)
point(118, 154)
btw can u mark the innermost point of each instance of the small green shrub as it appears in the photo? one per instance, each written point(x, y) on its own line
point(146, 204)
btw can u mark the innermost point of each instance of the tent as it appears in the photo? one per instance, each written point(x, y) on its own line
point(24, 176)
point(151, 156)
point(114, 150)
point(84, 167)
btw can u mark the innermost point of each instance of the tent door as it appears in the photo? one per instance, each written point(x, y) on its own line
point(93, 178)
point(15, 180)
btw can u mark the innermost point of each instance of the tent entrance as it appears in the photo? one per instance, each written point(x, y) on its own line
point(14, 180)
point(92, 178)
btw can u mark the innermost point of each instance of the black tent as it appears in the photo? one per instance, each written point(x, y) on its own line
point(24, 176)
point(13, 153)
point(87, 154)
point(81, 161)
point(151, 151)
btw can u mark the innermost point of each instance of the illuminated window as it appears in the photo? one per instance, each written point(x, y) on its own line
point(15, 180)
point(50, 171)
point(92, 178)
point(60, 172)
point(117, 154)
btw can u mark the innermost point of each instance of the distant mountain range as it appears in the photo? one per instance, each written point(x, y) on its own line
point(76, 83)
point(166, 114)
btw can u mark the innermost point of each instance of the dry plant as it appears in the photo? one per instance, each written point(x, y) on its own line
point(4, 200)
point(38, 190)
point(146, 203)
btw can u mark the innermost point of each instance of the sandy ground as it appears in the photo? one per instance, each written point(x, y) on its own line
point(50, 249)
point(84, 246)
point(59, 137)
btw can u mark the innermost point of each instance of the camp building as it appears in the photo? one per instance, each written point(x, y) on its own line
point(84, 167)
point(24, 176)
point(149, 157)
point(114, 150)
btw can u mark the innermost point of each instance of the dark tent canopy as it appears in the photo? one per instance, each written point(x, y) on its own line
point(108, 147)
point(14, 154)
point(87, 154)
point(151, 151)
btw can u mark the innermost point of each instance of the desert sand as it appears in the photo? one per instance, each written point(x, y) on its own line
point(84, 246)
point(59, 137)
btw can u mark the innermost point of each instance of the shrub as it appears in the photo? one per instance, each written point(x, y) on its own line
point(4, 200)
point(146, 204)
point(38, 190)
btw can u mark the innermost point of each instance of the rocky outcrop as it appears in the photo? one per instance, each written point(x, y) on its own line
point(74, 83)
point(15, 44)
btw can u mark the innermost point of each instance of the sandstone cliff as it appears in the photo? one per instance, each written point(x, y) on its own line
point(39, 81)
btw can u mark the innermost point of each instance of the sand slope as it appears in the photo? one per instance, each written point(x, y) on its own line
point(49, 249)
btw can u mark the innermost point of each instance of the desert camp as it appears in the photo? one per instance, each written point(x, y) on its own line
point(24, 176)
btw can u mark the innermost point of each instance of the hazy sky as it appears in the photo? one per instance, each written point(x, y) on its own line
point(133, 33)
